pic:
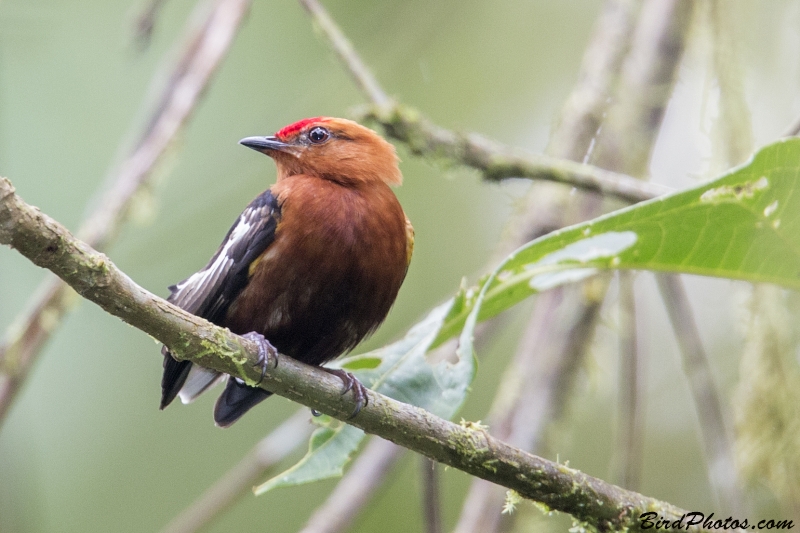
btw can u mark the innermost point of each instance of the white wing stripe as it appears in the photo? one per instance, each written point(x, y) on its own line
point(208, 277)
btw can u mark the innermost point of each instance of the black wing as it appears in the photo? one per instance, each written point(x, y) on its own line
point(209, 292)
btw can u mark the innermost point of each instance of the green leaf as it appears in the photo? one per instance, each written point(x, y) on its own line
point(329, 449)
point(361, 363)
point(744, 225)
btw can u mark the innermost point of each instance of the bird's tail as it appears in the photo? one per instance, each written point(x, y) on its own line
point(236, 400)
point(182, 378)
point(174, 376)
point(198, 380)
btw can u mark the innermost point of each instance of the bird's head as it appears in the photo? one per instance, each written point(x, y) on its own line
point(330, 148)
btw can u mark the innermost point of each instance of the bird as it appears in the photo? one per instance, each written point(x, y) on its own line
point(311, 266)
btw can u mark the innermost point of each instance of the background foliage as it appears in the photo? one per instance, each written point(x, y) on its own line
point(85, 448)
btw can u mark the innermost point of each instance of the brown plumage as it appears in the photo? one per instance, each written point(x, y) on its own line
point(313, 264)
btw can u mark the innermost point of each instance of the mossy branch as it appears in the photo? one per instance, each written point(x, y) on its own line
point(496, 161)
point(467, 447)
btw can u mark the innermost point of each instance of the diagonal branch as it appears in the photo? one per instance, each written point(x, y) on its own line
point(497, 162)
point(146, 22)
point(206, 47)
point(467, 446)
point(361, 74)
point(714, 423)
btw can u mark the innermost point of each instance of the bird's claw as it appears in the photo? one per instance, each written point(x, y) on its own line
point(351, 383)
point(266, 352)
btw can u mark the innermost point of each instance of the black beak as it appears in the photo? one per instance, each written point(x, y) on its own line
point(267, 144)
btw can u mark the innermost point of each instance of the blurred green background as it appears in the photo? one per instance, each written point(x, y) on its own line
point(85, 447)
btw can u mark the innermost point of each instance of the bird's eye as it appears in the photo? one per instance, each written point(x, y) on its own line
point(318, 135)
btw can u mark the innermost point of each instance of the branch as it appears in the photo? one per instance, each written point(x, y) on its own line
point(714, 420)
point(497, 162)
point(431, 501)
point(630, 426)
point(793, 129)
point(343, 48)
point(467, 447)
point(206, 46)
point(644, 88)
point(585, 109)
point(732, 141)
point(146, 22)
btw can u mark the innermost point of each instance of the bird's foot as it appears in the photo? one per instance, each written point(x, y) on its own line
point(351, 383)
point(266, 352)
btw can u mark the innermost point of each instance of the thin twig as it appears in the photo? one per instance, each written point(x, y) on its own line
point(669, 21)
point(431, 502)
point(240, 479)
point(646, 84)
point(630, 429)
point(590, 98)
point(732, 131)
point(205, 47)
point(630, 131)
point(146, 21)
point(467, 447)
point(497, 162)
point(714, 424)
point(793, 130)
point(732, 142)
point(343, 48)
point(626, 143)
point(356, 488)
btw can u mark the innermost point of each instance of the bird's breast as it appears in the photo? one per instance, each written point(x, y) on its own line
point(331, 274)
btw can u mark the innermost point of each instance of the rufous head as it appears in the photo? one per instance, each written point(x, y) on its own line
point(330, 148)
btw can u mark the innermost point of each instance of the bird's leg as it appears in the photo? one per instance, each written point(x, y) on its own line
point(266, 351)
point(351, 383)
